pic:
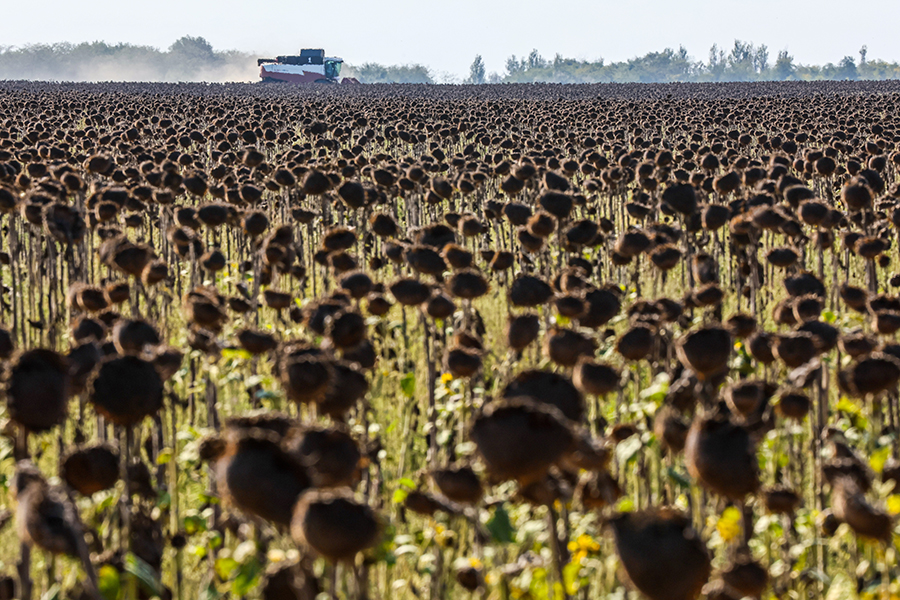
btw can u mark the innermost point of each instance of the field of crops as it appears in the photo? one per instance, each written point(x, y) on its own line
point(421, 342)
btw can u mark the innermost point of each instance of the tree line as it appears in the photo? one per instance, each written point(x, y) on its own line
point(742, 62)
point(188, 59)
point(194, 59)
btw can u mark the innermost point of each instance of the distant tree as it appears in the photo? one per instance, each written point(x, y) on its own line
point(879, 70)
point(717, 63)
point(743, 61)
point(376, 73)
point(535, 60)
point(476, 71)
point(190, 55)
point(846, 69)
point(192, 48)
point(784, 66)
point(761, 59)
point(863, 52)
point(665, 66)
point(514, 65)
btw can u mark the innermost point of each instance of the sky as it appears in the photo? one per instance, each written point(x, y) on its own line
point(446, 36)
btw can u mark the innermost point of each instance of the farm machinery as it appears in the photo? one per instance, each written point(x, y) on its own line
point(310, 66)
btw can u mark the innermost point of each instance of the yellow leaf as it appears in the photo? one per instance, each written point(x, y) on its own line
point(625, 505)
point(878, 458)
point(893, 504)
point(729, 524)
point(847, 405)
point(587, 543)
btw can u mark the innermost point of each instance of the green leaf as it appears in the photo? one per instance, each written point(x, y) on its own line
point(408, 385)
point(680, 478)
point(210, 592)
point(204, 498)
point(500, 526)
point(400, 496)
point(570, 576)
point(247, 578)
point(109, 582)
point(215, 539)
point(225, 566)
point(194, 524)
point(165, 455)
point(145, 574)
point(105, 504)
point(382, 551)
point(407, 482)
point(164, 500)
point(625, 505)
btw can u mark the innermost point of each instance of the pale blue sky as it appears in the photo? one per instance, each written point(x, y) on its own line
point(447, 35)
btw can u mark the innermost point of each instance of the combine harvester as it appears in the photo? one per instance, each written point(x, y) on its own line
point(311, 66)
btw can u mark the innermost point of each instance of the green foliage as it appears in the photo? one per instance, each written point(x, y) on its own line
point(145, 574)
point(743, 62)
point(681, 479)
point(109, 582)
point(500, 526)
point(408, 385)
point(476, 71)
point(375, 73)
